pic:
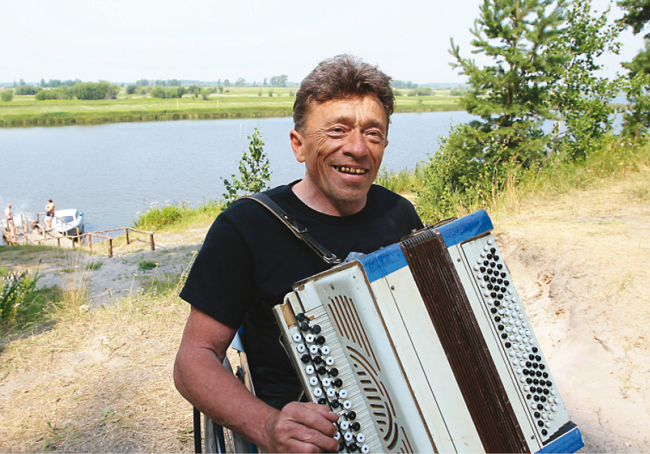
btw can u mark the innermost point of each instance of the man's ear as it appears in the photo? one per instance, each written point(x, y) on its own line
point(297, 145)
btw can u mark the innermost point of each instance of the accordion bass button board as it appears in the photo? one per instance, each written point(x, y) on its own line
point(425, 346)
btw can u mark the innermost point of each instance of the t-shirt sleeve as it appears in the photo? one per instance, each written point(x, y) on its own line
point(221, 281)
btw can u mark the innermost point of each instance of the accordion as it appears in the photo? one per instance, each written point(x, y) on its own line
point(424, 346)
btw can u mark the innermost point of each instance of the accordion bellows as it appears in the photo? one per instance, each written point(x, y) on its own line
point(424, 346)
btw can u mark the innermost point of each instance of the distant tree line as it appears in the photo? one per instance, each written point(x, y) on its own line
point(400, 84)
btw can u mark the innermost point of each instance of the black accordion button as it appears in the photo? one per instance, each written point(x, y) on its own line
point(508, 345)
point(351, 415)
point(490, 286)
point(482, 269)
point(536, 398)
point(301, 317)
point(353, 447)
point(322, 401)
point(493, 250)
point(540, 423)
point(542, 399)
point(486, 263)
point(316, 329)
point(342, 446)
point(355, 426)
point(489, 256)
point(334, 372)
point(536, 414)
point(535, 349)
point(317, 360)
point(335, 404)
point(305, 358)
point(496, 258)
point(338, 382)
point(504, 336)
point(322, 370)
point(320, 340)
point(499, 266)
point(304, 326)
point(544, 432)
point(493, 310)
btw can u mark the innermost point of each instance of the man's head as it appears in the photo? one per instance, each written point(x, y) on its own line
point(341, 77)
point(341, 117)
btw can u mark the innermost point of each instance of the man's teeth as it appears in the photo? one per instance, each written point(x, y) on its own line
point(350, 170)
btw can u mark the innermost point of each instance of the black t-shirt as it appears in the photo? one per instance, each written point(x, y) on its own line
point(250, 260)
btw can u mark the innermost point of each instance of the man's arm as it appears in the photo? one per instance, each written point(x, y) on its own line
point(202, 379)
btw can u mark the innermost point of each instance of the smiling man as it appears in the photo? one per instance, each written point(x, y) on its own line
point(250, 259)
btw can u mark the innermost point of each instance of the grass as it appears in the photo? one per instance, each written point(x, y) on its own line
point(177, 217)
point(240, 102)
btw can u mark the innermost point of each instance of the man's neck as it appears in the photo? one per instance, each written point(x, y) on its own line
point(316, 201)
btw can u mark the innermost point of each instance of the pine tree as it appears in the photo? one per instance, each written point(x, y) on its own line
point(511, 95)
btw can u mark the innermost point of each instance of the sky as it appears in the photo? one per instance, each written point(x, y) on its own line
point(207, 40)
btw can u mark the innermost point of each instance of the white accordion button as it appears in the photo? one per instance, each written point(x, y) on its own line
point(326, 382)
point(309, 369)
point(318, 392)
point(365, 449)
point(301, 348)
point(313, 381)
point(343, 394)
point(296, 337)
point(361, 438)
point(329, 361)
point(331, 393)
point(309, 338)
point(313, 349)
point(344, 425)
point(325, 349)
point(347, 404)
point(337, 436)
point(348, 436)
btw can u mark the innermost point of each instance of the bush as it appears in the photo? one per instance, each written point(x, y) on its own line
point(20, 299)
point(421, 92)
point(26, 90)
point(94, 91)
point(6, 95)
point(131, 89)
point(158, 92)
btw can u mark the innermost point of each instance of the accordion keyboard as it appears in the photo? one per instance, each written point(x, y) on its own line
point(501, 305)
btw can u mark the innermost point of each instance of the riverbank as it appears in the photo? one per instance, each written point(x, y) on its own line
point(241, 103)
point(98, 379)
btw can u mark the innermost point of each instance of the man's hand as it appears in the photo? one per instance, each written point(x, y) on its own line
point(302, 427)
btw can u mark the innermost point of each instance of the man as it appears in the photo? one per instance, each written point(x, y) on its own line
point(49, 213)
point(250, 260)
point(11, 225)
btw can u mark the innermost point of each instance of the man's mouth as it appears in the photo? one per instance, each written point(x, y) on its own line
point(350, 170)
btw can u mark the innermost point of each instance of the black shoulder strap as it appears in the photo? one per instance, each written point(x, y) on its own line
point(297, 229)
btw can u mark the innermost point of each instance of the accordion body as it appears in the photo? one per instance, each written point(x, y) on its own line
point(424, 346)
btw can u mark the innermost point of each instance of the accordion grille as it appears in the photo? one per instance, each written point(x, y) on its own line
point(469, 358)
point(365, 366)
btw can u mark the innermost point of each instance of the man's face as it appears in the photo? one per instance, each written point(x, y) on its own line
point(342, 145)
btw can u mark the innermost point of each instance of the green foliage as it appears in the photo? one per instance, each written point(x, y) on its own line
point(421, 92)
point(6, 95)
point(95, 90)
point(636, 119)
point(582, 99)
point(402, 182)
point(510, 95)
point(131, 89)
point(158, 92)
point(637, 13)
point(159, 218)
point(402, 84)
point(23, 89)
point(253, 170)
point(279, 81)
point(62, 92)
point(146, 265)
point(20, 299)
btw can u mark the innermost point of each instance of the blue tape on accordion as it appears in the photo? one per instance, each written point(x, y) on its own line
point(390, 259)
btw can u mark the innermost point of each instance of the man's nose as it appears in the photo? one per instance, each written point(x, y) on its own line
point(355, 145)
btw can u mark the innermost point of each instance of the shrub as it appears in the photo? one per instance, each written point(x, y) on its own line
point(7, 95)
point(26, 90)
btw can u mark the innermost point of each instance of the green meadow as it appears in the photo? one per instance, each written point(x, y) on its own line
point(237, 102)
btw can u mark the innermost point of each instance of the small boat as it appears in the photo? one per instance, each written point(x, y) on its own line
point(68, 222)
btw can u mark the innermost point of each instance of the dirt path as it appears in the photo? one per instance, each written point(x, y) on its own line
point(580, 263)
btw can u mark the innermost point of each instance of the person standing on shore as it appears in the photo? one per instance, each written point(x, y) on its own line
point(49, 209)
point(11, 225)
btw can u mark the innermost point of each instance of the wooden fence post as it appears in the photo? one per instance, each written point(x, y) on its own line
point(126, 230)
point(153, 245)
point(110, 248)
point(90, 242)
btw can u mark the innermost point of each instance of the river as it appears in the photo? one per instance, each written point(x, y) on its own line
point(112, 172)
